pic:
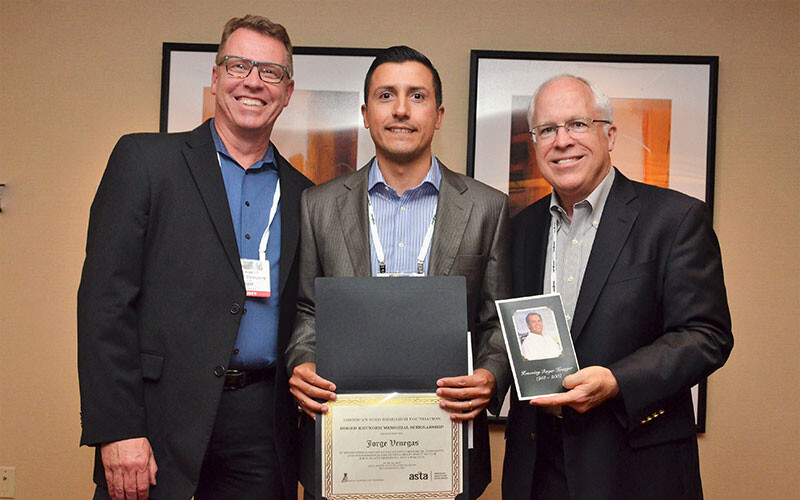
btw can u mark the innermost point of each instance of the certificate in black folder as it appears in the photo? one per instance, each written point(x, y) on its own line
point(391, 334)
point(380, 337)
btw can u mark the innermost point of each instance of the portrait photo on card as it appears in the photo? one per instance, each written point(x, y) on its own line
point(537, 333)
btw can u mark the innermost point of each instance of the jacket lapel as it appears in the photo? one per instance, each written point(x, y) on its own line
point(452, 213)
point(618, 218)
point(201, 158)
point(351, 208)
point(290, 217)
point(534, 248)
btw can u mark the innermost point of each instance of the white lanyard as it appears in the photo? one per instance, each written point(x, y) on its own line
point(262, 247)
point(554, 232)
point(376, 241)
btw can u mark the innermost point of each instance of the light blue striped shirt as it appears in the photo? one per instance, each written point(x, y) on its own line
point(402, 220)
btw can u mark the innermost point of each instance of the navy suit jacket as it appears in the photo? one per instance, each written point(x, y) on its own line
point(160, 303)
point(653, 309)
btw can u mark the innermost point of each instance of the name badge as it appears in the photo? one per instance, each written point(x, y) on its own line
point(256, 277)
point(399, 275)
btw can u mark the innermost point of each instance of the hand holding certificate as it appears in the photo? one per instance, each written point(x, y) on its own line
point(382, 342)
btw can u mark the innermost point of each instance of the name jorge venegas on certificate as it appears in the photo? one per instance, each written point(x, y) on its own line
point(379, 447)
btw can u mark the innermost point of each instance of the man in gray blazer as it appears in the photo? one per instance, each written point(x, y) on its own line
point(380, 220)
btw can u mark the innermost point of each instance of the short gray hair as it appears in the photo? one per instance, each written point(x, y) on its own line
point(601, 100)
point(259, 24)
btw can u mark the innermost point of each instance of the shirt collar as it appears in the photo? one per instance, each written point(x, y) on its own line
point(267, 160)
point(596, 199)
point(433, 177)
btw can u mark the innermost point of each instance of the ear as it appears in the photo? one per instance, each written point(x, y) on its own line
point(612, 136)
point(364, 115)
point(439, 117)
point(214, 80)
point(289, 91)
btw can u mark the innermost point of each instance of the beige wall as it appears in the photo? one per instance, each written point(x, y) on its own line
point(78, 74)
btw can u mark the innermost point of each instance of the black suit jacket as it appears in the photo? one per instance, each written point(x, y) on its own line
point(161, 299)
point(653, 309)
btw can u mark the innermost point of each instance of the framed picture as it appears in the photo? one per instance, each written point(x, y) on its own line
point(320, 132)
point(664, 109)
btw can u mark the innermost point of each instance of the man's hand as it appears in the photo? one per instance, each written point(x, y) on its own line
point(130, 468)
point(588, 388)
point(465, 397)
point(305, 385)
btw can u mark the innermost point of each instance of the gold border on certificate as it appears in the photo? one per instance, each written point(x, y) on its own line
point(387, 438)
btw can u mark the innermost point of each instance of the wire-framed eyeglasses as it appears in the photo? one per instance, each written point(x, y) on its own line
point(574, 127)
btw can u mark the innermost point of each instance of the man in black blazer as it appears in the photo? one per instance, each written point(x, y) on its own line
point(640, 273)
point(177, 347)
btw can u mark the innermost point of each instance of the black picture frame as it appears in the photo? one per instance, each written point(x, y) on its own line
point(501, 80)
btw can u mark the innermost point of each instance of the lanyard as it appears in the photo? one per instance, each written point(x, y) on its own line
point(262, 246)
point(376, 241)
point(554, 232)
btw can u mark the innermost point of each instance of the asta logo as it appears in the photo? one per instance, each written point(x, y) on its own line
point(418, 476)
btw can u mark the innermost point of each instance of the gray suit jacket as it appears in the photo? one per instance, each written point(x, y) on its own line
point(470, 239)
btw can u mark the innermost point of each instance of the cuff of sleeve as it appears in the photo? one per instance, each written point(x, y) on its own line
point(502, 378)
point(627, 410)
point(298, 356)
point(95, 435)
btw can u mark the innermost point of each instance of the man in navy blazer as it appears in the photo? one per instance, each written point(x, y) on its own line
point(640, 274)
point(177, 347)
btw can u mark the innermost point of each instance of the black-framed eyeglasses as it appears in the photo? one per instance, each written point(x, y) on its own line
point(269, 72)
point(574, 127)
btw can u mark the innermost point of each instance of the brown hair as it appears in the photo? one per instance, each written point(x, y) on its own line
point(262, 25)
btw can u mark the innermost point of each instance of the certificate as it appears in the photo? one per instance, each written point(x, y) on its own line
point(390, 446)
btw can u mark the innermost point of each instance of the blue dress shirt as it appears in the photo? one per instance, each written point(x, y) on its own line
point(250, 193)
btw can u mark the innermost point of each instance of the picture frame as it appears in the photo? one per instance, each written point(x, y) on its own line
point(320, 132)
point(665, 110)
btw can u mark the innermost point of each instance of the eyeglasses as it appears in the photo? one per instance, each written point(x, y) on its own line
point(575, 127)
point(240, 67)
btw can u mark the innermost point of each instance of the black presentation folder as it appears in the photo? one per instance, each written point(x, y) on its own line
point(391, 334)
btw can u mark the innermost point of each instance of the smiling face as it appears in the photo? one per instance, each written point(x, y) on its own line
point(574, 167)
point(248, 107)
point(401, 112)
point(534, 323)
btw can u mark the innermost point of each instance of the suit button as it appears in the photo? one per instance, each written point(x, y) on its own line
point(219, 371)
point(533, 436)
point(235, 308)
